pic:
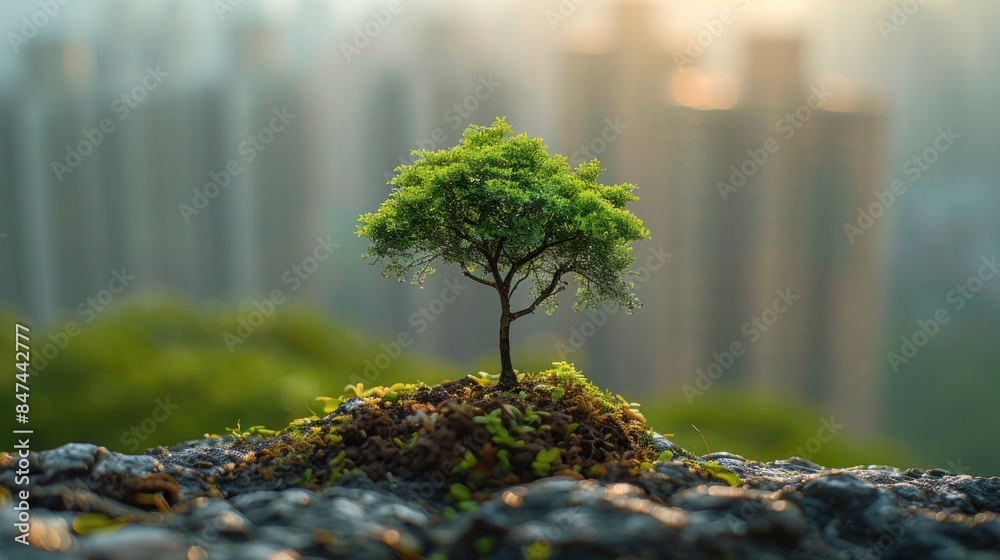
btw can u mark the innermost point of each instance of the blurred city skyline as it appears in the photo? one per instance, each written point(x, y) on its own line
point(212, 149)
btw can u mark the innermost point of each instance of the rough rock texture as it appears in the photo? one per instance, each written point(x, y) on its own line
point(145, 507)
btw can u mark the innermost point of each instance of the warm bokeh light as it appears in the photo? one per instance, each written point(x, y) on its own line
point(590, 36)
point(690, 87)
point(694, 88)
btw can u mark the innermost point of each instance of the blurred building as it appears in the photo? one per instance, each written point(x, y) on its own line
point(748, 193)
point(83, 201)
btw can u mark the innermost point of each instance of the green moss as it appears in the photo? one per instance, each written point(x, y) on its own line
point(566, 376)
point(715, 471)
point(86, 523)
point(484, 545)
point(538, 550)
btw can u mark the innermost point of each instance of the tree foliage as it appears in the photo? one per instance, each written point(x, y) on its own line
point(506, 212)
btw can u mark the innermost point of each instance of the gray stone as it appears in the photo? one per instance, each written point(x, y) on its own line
point(785, 509)
point(135, 543)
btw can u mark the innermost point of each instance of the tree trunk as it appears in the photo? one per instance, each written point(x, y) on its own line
point(507, 378)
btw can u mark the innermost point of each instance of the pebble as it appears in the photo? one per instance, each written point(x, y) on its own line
point(135, 542)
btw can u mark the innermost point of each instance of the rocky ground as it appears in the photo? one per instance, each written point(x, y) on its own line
point(437, 473)
point(785, 509)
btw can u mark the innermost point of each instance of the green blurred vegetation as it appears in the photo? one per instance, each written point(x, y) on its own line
point(764, 428)
point(943, 400)
point(114, 374)
point(119, 369)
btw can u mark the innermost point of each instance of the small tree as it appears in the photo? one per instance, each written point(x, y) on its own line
point(505, 211)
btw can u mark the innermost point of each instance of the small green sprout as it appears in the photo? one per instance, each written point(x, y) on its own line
point(542, 465)
point(306, 477)
point(329, 404)
point(484, 379)
point(356, 392)
point(467, 505)
point(504, 460)
point(460, 492)
point(483, 545)
point(468, 461)
point(237, 433)
point(494, 425)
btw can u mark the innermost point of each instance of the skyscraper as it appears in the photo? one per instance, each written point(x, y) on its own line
point(749, 200)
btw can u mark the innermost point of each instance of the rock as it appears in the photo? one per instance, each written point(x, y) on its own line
point(660, 443)
point(346, 407)
point(724, 457)
point(839, 491)
point(983, 494)
point(135, 543)
point(669, 511)
point(799, 464)
point(785, 509)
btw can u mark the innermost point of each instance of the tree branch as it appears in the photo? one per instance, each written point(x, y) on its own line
point(554, 287)
point(534, 254)
point(495, 271)
point(496, 257)
point(484, 252)
point(506, 254)
point(480, 248)
point(427, 259)
point(425, 263)
point(475, 278)
point(518, 283)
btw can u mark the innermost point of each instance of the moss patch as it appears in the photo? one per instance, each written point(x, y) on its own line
point(716, 471)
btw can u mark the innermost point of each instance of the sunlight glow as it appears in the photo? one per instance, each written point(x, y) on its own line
point(694, 88)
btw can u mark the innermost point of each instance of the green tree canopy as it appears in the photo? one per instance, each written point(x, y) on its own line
point(505, 211)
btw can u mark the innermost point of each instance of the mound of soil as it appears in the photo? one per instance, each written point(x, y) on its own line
point(467, 432)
